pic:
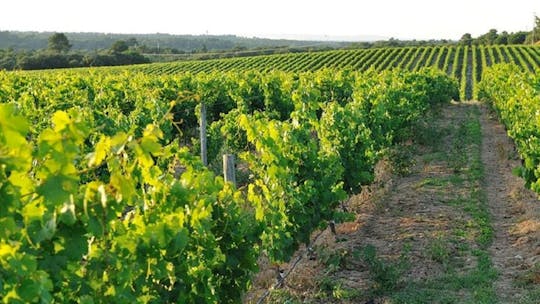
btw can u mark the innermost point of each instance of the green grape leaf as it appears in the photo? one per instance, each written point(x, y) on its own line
point(95, 227)
point(180, 240)
point(33, 211)
point(86, 299)
point(76, 245)
point(102, 148)
point(60, 120)
point(16, 122)
point(14, 127)
point(124, 186)
point(57, 189)
point(118, 142)
point(7, 250)
point(28, 290)
point(39, 231)
point(23, 181)
point(150, 145)
point(7, 227)
point(67, 213)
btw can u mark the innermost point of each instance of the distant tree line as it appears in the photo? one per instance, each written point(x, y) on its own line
point(493, 37)
point(153, 43)
point(58, 55)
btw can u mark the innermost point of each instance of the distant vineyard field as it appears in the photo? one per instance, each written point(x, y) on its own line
point(463, 62)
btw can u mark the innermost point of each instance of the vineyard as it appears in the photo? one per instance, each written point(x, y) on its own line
point(105, 198)
point(515, 96)
point(104, 201)
point(464, 63)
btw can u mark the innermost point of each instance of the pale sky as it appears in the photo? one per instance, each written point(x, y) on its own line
point(407, 19)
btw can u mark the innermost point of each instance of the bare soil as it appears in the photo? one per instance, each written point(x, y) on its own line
point(515, 211)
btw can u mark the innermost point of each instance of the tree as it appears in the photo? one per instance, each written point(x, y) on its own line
point(132, 42)
point(535, 33)
point(119, 46)
point(536, 30)
point(466, 39)
point(490, 37)
point(517, 38)
point(59, 43)
point(502, 38)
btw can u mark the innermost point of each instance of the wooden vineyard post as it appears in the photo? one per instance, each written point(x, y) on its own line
point(229, 169)
point(202, 128)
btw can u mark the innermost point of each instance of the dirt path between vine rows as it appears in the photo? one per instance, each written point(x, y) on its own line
point(515, 213)
point(444, 222)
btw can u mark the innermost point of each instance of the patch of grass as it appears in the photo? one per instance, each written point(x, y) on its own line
point(481, 218)
point(532, 297)
point(444, 181)
point(434, 182)
point(282, 296)
point(474, 134)
point(462, 232)
point(426, 133)
point(458, 156)
point(458, 201)
point(477, 206)
point(386, 275)
point(414, 294)
point(438, 251)
point(343, 217)
point(469, 138)
point(333, 260)
point(456, 179)
point(434, 156)
point(402, 159)
point(472, 287)
point(331, 288)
